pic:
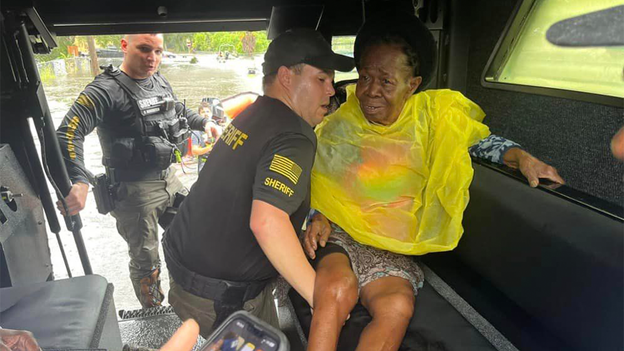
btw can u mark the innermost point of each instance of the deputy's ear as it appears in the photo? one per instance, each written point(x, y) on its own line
point(414, 83)
point(284, 76)
point(124, 44)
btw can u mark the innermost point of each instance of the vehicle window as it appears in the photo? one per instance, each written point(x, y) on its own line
point(344, 46)
point(525, 56)
point(219, 64)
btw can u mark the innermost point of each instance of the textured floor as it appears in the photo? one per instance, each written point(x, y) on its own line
point(150, 328)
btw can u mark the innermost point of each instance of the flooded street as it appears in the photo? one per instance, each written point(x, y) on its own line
point(106, 249)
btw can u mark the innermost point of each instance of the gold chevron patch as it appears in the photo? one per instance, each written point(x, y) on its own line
point(86, 101)
point(286, 167)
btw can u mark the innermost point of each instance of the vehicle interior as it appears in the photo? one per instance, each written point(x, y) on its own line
point(536, 269)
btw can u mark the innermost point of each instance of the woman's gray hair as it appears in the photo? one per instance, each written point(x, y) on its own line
point(413, 60)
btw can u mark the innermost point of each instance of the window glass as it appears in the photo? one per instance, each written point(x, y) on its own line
point(534, 61)
point(344, 46)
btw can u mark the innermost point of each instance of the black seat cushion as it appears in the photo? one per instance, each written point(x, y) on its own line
point(435, 326)
point(62, 314)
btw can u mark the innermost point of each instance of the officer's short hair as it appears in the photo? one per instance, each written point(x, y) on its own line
point(129, 36)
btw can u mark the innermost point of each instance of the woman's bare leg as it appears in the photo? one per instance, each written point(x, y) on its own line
point(335, 294)
point(390, 301)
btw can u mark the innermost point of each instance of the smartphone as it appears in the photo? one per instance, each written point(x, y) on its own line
point(243, 331)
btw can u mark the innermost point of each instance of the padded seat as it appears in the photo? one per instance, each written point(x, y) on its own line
point(435, 326)
point(75, 313)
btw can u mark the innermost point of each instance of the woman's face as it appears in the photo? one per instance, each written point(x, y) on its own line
point(385, 83)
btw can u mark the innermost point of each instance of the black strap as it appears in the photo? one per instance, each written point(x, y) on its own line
point(228, 296)
point(126, 83)
point(131, 175)
point(161, 80)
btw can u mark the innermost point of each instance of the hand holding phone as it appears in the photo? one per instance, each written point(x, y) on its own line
point(242, 331)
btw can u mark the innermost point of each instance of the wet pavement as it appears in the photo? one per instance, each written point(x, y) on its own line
point(106, 249)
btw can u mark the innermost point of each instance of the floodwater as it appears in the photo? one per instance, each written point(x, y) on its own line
point(107, 250)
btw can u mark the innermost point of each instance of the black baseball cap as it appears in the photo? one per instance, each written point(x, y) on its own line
point(303, 45)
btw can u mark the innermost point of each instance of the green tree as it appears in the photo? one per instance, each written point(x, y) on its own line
point(104, 41)
point(176, 42)
point(222, 39)
point(201, 41)
point(58, 52)
point(262, 43)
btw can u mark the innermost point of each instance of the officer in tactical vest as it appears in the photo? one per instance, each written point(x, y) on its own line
point(142, 130)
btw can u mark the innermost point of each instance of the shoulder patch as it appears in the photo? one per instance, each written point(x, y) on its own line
point(286, 167)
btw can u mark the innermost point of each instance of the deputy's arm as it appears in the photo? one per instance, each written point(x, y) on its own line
point(83, 116)
point(280, 188)
point(198, 150)
point(195, 121)
point(277, 238)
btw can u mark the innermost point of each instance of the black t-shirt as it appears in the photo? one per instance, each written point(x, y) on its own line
point(265, 154)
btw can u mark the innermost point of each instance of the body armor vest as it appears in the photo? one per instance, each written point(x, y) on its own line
point(158, 131)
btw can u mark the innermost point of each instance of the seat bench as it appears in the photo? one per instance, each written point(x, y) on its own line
point(75, 313)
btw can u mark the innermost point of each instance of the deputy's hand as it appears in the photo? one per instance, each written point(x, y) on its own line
point(316, 233)
point(532, 168)
point(14, 340)
point(184, 338)
point(617, 144)
point(75, 200)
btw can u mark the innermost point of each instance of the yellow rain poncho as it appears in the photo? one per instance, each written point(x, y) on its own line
point(402, 187)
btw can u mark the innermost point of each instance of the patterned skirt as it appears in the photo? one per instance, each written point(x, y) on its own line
point(370, 263)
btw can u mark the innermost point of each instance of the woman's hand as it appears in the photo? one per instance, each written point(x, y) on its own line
point(317, 233)
point(531, 167)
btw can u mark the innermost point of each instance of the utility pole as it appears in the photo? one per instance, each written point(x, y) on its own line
point(95, 67)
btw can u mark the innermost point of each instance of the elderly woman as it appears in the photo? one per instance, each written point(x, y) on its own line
point(391, 179)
